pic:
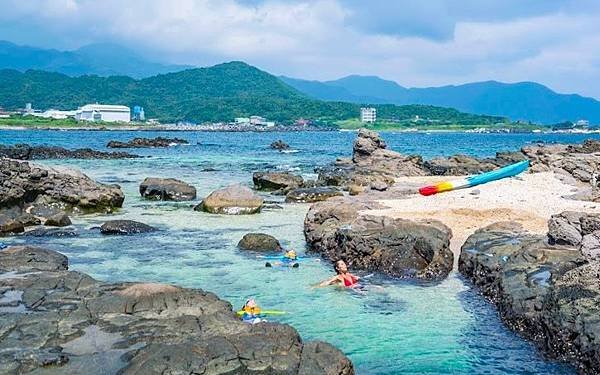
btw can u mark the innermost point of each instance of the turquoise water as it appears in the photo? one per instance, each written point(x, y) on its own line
point(396, 327)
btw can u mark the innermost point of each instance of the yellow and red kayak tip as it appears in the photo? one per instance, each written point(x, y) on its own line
point(504, 172)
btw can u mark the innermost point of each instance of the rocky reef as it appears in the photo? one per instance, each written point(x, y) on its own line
point(342, 229)
point(545, 287)
point(32, 194)
point(27, 152)
point(64, 321)
point(147, 143)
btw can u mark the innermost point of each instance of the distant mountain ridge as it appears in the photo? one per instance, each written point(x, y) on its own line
point(102, 59)
point(218, 93)
point(519, 101)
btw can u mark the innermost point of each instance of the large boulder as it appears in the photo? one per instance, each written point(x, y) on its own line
point(23, 184)
point(125, 227)
point(548, 293)
point(259, 242)
point(458, 165)
point(270, 181)
point(27, 152)
point(311, 195)
point(148, 142)
point(167, 189)
point(401, 248)
point(59, 220)
point(231, 200)
point(9, 225)
point(69, 322)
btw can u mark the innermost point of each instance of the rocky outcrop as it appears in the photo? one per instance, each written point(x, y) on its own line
point(65, 320)
point(402, 248)
point(259, 242)
point(27, 152)
point(148, 142)
point(231, 200)
point(280, 145)
point(24, 185)
point(125, 227)
point(578, 229)
point(458, 165)
point(550, 293)
point(59, 220)
point(580, 161)
point(311, 195)
point(276, 181)
point(167, 189)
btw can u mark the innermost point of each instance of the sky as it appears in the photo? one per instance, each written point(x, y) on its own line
point(416, 43)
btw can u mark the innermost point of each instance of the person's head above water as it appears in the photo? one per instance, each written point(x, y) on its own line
point(291, 254)
point(340, 266)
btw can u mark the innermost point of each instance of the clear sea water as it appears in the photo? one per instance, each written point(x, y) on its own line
point(396, 327)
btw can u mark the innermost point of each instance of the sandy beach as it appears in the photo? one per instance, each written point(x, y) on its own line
point(529, 199)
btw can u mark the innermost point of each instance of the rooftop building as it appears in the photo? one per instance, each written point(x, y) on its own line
point(103, 112)
point(368, 114)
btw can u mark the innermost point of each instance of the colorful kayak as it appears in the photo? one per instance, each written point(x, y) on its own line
point(498, 174)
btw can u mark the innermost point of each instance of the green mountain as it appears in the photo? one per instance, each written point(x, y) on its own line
point(218, 93)
point(102, 59)
point(519, 101)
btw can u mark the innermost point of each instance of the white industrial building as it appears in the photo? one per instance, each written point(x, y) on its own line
point(103, 112)
point(52, 113)
point(368, 114)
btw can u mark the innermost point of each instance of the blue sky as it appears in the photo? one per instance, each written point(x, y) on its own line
point(416, 43)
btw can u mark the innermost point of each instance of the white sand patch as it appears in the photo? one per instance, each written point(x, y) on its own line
point(529, 199)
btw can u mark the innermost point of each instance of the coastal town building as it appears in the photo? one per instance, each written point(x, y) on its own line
point(368, 114)
point(52, 113)
point(103, 112)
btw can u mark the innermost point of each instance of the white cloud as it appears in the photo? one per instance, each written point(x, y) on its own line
point(553, 42)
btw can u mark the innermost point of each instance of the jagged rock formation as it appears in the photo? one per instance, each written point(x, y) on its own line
point(402, 248)
point(147, 143)
point(550, 293)
point(27, 152)
point(52, 318)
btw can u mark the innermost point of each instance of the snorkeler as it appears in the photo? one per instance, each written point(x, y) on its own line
point(343, 277)
point(250, 312)
point(289, 259)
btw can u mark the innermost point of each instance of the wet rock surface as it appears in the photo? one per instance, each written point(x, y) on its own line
point(147, 143)
point(60, 219)
point(279, 145)
point(311, 195)
point(68, 322)
point(231, 200)
point(125, 227)
point(402, 248)
point(276, 181)
point(167, 189)
point(259, 242)
point(548, 293)
point(28, 152)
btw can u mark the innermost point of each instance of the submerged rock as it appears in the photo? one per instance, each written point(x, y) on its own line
point(147, 142)
point(72, 322)
point(401, 248)
point(259, 242)
point(27, 152)
point(125, 227)
point(310, 195)
point(167, 189)
point(276, 181)
point(548, 293)
point(231, 200)
point(280, 145)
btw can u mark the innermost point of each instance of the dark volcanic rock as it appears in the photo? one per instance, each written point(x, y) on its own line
point(310, 195)
point(9, 225)
point(231, 200)
point(31, 258)
point(259, 242)
point(51, 232)
point(147, 142)
point(167, 189)
point(280, 145)
point(401, 248)
point(58, 220)
point(125, 227)
point(23, 184)
point(458, 165)
point(73, 323)
point(276, 181)
point(27, 152)
point(548, 293)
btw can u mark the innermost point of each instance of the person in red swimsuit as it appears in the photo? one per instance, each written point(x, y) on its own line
point(343, 277)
